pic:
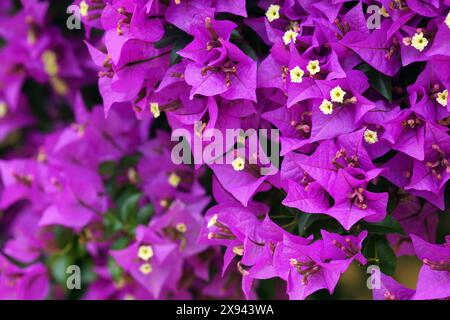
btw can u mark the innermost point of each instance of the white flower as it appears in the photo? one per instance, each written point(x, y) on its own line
point(289, 36)
point(238, 164)
point(337, 94)
point(297, 75)
point(370, 136)
point(326, 107)
point(313, 67)
point(419, 41)
point(273, 12)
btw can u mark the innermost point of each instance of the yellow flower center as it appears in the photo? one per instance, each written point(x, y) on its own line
point(370, 136)
point(59, 85)
point(84, 8)
point(326, 107)
point(384, 12)
point(146, 268)
point(164, 203)
point(49, 59)
point(145, 252)
point(42, 155)
point(289, 36)
point(31, 36)
point(154, 109)
point(238, 250)
point(297, 75)
point(132, 175)
point(313, 67)
point(3, 109)
point(238, 164)
point(293, 262)
point(181, 227)
point(442, 98)
point(447, 20)
point(273, 12)
point(419, 41)
point(174, 180)
point(79, 129)
point(212, 221)
point(337, 94)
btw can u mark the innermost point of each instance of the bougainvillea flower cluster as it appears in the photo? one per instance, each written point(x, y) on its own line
point(357, 90)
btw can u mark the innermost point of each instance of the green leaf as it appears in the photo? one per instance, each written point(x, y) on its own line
point(322, 222)
point(129, 161)
point(235, 36)
point(88, 274)
point(107, 168)
point(266, 289)
point(58, 265)
point(129, 208)
point(237, 39)
point(378, 251)
point(369, 250)
point(112, 223)
point(120, 243)
point(62, 236)
point(179, 44)
point(176, 38)
point(114, 269)
point(379, 81)
point(305, 221)
point(387, 226)
point(170, 34)
point(388, 260)
point(248, 50)
point(144, 214)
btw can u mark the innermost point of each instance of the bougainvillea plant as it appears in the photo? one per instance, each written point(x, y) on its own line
point(92, 90)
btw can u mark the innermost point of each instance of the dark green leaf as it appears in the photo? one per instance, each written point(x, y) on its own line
point(63, 236)
point(304, 222)
point(388, 260)
point(120, 243)
point(144, 214)
point(129, 161)
point(369, 250)
point(380, 82)
point(267, 289)
point(179, 44)
point(235, 36)
point(58, 265)
point(114, 269)
point(171, 33)
point(176, 38)
point(378, 251)
point(112, 223)
point(129, 209)
point(387, 226)
point(107, 168)
point(248, 50)
point(87, 275)
point(322, 222)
